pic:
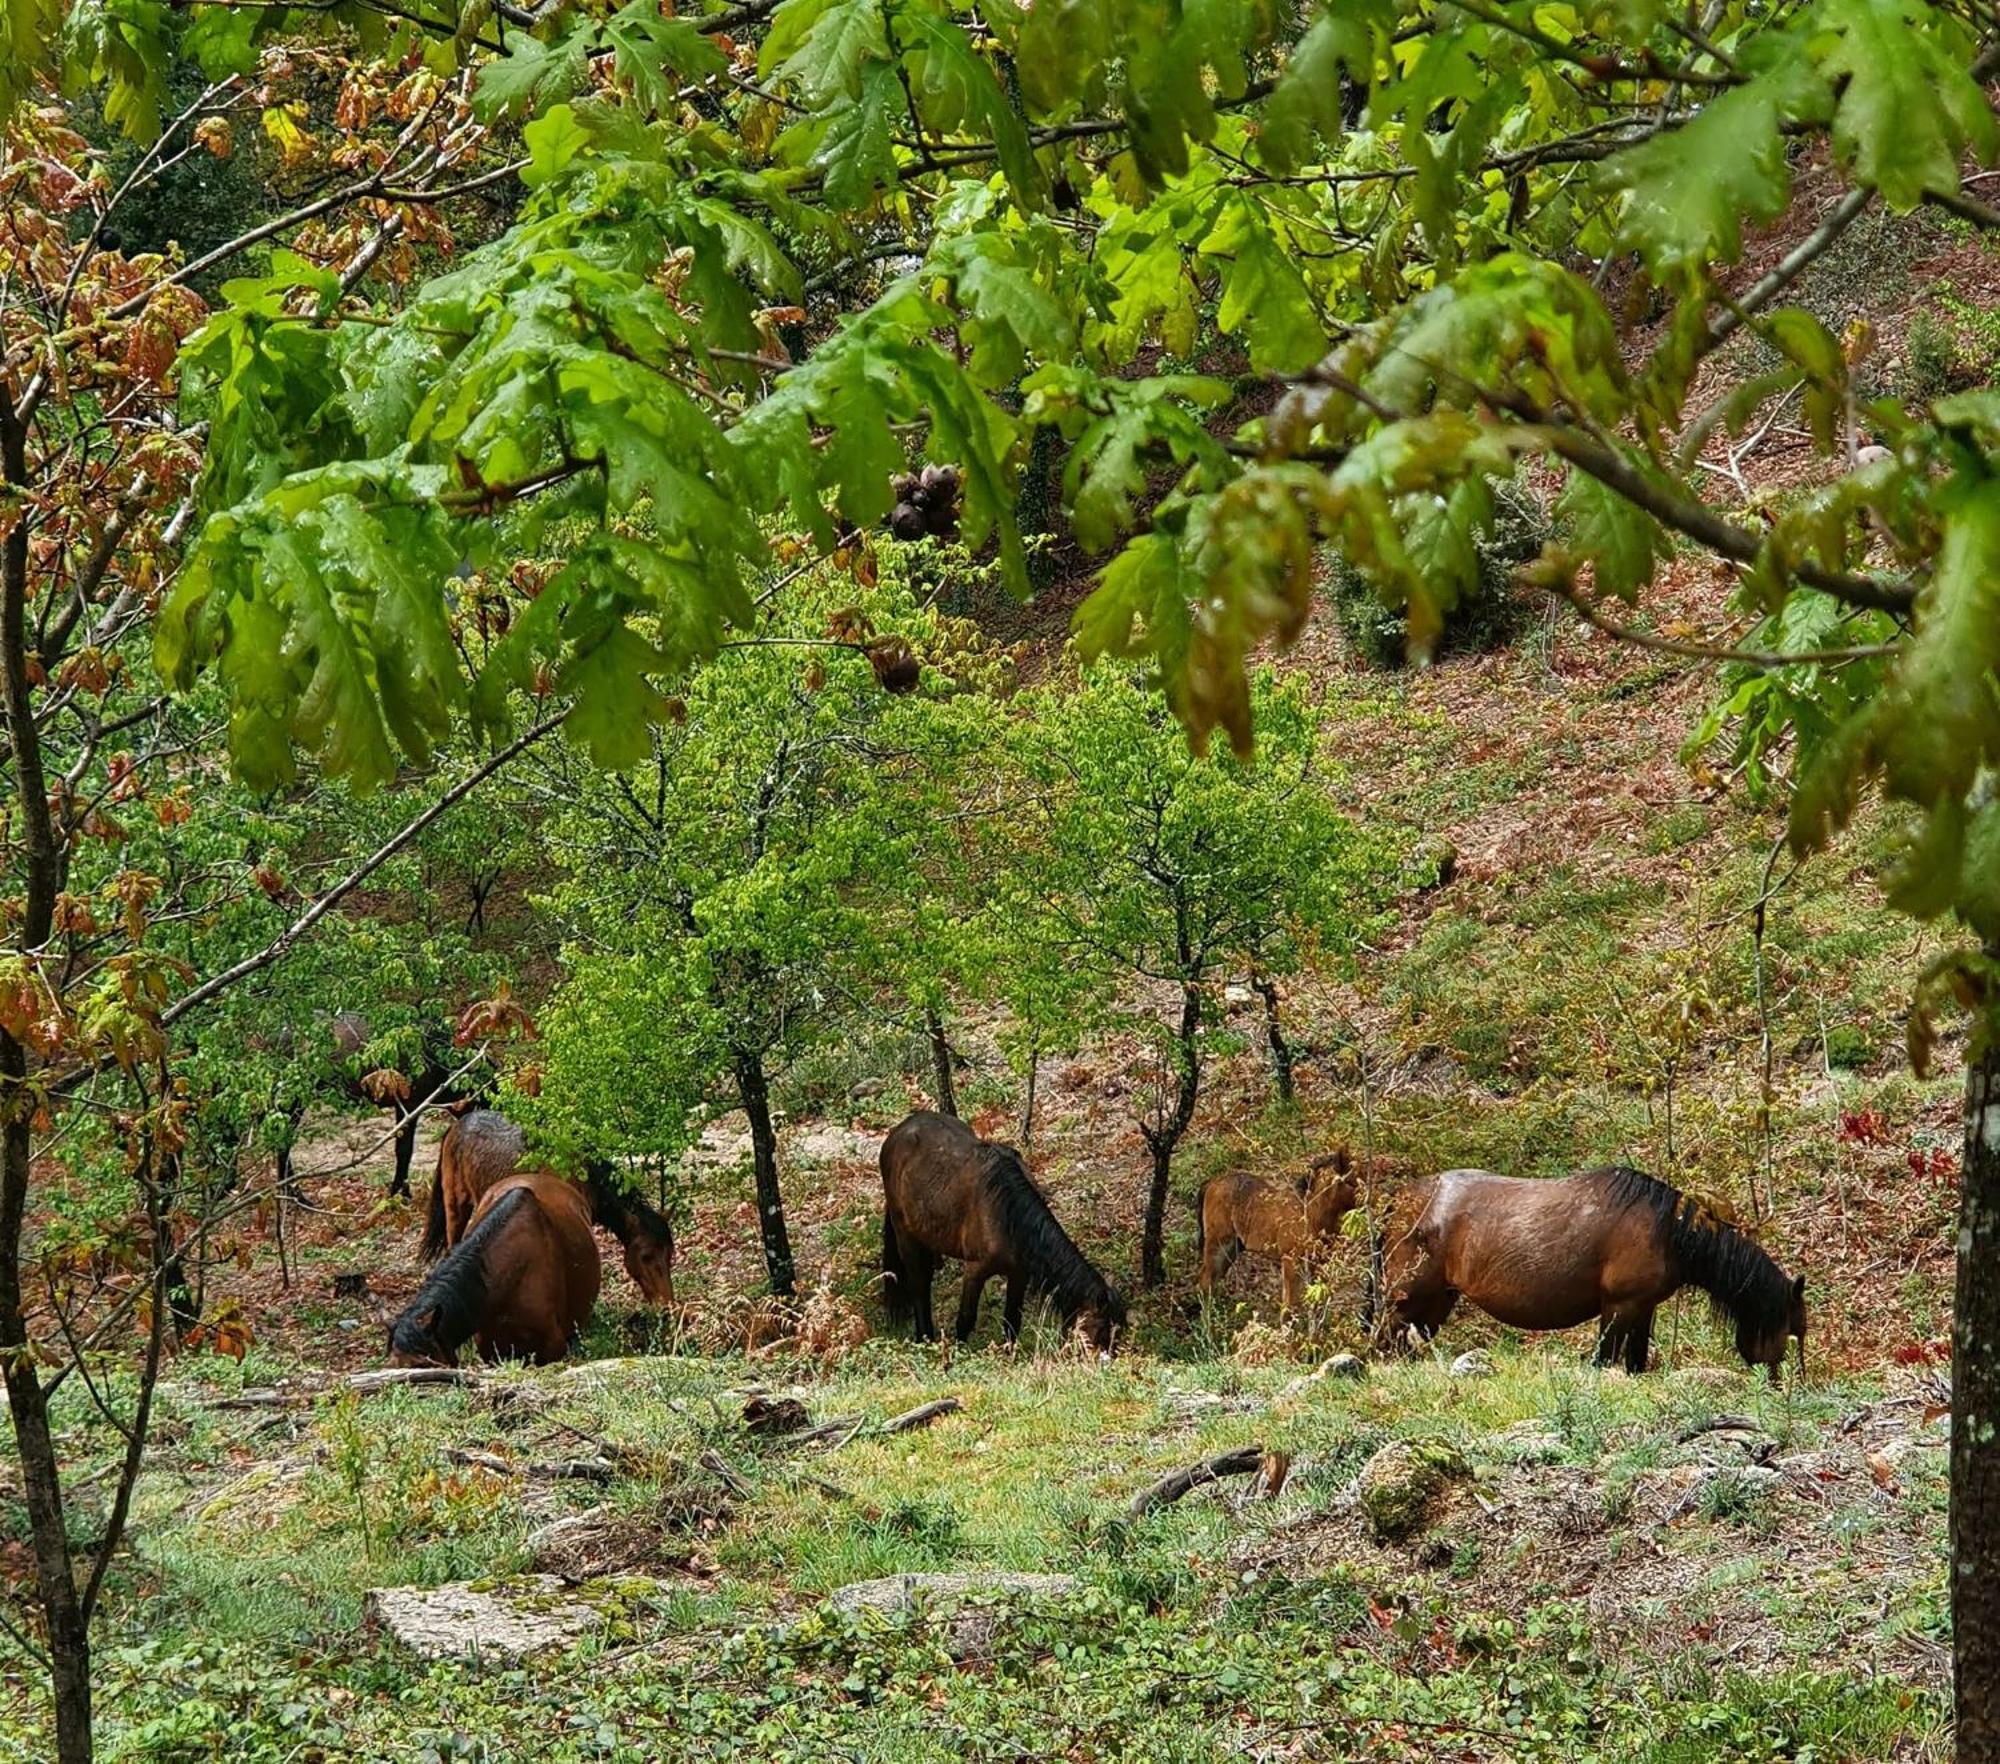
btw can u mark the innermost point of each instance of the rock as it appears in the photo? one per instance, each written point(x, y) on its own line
point(1526, 1442)
point(1724, 1490)
point(1237, 997)
point(506, 1620)
point(1347, 1366)
point(971, 1605)
point(1398, 1487)
point(1476, 1364)
point(599, 1544)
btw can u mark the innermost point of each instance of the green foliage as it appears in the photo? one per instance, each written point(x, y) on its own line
point(1502, 536)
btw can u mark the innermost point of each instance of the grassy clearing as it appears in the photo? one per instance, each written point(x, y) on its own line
point(1625, 1574)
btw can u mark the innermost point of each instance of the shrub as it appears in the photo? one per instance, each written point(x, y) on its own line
point(1489, 619)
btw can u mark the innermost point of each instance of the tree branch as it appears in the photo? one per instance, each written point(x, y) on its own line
point(298, 928)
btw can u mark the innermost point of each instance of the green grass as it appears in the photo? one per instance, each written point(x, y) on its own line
point(1206, 1627)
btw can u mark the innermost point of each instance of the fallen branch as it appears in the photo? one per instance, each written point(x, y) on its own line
point(1719, 1424)
point(389, 1377)
point(1241, 1462)
point(839, 1430)
point(718, 1466)
point(382, 1378)
point(922, 1415)
point(563, 1470)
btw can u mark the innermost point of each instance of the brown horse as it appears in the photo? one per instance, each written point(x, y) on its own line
point(1298, 1222)
point(522, 1280)
point(482, 1146)
point(948, 1193)
point(1613, 1244)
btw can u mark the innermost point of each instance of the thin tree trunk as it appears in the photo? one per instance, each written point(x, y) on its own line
point(66, 1622)
point(1274, 1037)
point(941, 1084)
point(1161, 1139)
point(1975, 1425)
point(754, 1090)
point(1028, 1103)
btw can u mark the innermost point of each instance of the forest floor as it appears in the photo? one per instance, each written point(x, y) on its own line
point(1620, 1576)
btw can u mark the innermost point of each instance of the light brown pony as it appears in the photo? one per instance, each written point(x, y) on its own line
point(1613, 1244)
point(947, 1193)
point(521, 1280)
point(1298, 1222)
point(482, 1146)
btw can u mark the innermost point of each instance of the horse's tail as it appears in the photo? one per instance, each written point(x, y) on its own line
point(432, 1245)
point(1200, 1222)
point(895, 1286)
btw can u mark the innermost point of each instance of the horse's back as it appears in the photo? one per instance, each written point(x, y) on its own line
point(484, 1145)
point(1532, 1251)
point(562, 1245)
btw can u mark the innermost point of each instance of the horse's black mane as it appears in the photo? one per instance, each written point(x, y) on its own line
point(620, 1210)
point(1741, 1281)
point(1052, 1263)
point(456, 1289)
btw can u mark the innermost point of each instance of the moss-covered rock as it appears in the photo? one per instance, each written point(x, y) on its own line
point(1400, 1485)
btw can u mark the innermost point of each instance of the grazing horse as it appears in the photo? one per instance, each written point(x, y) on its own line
point(481, 1147)
point(1294, 1221)
point(948, 1193)
point(522, 1280)
point(1611, 1244)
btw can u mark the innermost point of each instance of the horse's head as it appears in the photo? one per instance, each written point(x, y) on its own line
point(650, 1261)
point(1765, 1346)
point(413, 1340)
point(1331, 1191)
point(1102, 1322)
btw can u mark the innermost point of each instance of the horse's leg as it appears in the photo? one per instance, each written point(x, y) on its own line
point(1610, 1339)
point(406, 1146)
point(1288, 1285)
point(1639, 1342)
point(921, 1266)
point(976, 1276)
point(1017, 1302)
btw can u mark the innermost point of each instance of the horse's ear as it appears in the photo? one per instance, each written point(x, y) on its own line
point(1799, 1287)
point(1343, 1160)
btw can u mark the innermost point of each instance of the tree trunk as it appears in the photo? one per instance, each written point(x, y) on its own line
point(941, 1084)
point(1975, 1425)
point(1274, 1037)
point(1162, 1137)
point(66, 1621)
point(1028, 1102)
point(755, 1093)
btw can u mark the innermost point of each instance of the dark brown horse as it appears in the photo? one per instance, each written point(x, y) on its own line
point(1612, 1244)
point(482, 1146)
point(1298, 1222)
point(521, 1280)
point(947, 1193)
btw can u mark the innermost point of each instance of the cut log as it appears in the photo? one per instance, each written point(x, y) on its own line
point(1240, 1462)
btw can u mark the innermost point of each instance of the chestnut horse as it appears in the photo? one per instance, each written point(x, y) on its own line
point(482, 1146)
point(522, 1280)
point(1297, 1222)
point(948, 1193)
point(1613, 1244)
